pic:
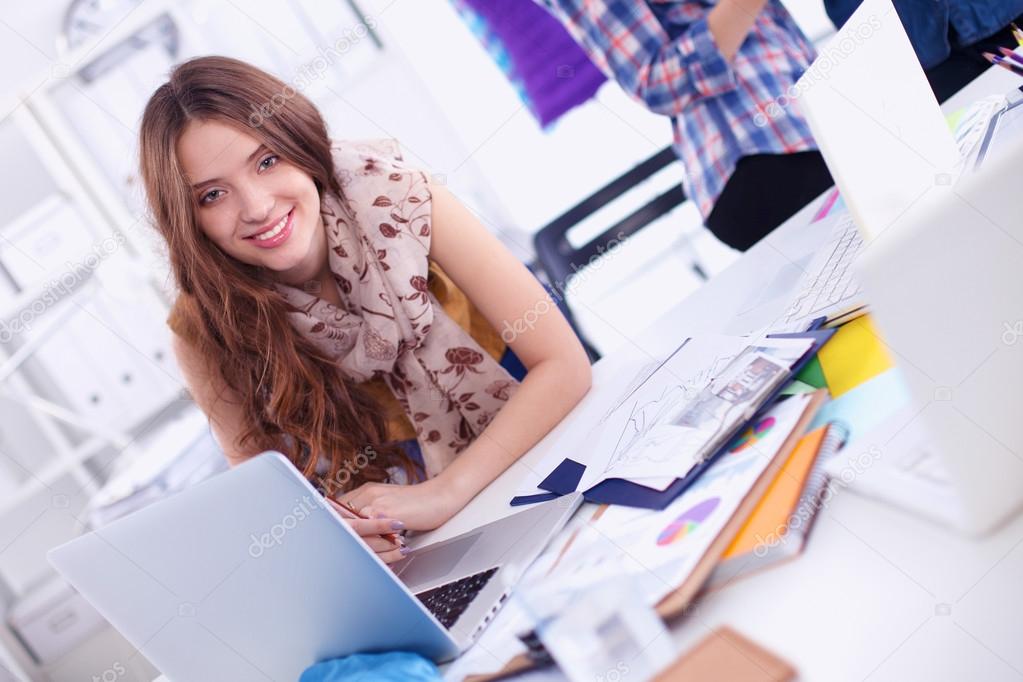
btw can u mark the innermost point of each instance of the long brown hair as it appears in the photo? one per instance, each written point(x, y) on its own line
point(294, 398)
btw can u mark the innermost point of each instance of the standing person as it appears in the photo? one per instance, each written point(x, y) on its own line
point(950, 36)
point(714, 68)
point(321, 310)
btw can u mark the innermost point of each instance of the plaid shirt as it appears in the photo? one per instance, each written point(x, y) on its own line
point(663, 53)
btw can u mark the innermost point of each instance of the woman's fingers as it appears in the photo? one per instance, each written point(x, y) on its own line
point(375, 533)
point(388, 551)
point(379, 544)
point(366, 527)
point(391, 557)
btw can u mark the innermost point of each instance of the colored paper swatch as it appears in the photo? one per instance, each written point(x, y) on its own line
point(855, 354)
point(796, 387)
point(866, 406)
point(687, 522)
point(811, 374)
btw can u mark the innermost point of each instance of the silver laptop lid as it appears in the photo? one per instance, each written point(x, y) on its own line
point(945, 282)
point(247, 576)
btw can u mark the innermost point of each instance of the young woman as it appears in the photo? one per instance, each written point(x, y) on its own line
point(321, 310)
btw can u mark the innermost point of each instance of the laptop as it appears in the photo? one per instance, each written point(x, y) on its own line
point(884, 139)
point(252, 575)
point(942, 268)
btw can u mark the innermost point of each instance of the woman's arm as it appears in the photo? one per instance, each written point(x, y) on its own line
point(559, 375)
point(220, 404)
point(730, 22)
point(626, 39)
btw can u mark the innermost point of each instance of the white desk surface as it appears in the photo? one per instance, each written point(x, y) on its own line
point(877, 594)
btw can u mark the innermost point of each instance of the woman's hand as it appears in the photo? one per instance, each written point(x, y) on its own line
point(375, 532)
point(422, 506)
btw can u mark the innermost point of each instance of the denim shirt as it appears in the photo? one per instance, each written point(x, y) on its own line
point(929, 22)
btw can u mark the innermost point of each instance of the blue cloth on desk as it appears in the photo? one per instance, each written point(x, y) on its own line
point(396, 666)
point(510, 362)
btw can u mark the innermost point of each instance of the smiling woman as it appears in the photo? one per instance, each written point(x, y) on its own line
point(321, 310)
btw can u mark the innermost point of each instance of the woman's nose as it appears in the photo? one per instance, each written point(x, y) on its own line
point(255, 207)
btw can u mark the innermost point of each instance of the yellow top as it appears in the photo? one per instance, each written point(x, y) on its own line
point(454, 302)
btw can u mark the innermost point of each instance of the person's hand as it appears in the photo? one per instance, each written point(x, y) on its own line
point(422, 506)
point(375, 532)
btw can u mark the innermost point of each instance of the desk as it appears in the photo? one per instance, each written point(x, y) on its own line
point(878, 594)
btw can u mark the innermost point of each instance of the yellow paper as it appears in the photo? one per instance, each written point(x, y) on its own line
point(853, 355)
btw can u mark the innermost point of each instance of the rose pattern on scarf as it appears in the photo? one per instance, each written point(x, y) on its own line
point(391, 327)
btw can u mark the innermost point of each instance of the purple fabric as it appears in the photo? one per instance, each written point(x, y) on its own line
point(554, 71)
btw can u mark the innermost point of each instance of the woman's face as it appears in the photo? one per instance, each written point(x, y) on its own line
point(253, 204)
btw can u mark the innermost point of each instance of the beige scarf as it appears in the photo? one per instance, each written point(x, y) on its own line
point(378, 241)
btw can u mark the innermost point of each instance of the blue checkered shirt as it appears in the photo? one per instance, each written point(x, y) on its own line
point(663, 53)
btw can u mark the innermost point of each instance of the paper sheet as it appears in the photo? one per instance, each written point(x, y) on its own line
point(855, 354)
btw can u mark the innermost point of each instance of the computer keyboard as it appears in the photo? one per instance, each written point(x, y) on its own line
point(833, 281)
point(449, 601)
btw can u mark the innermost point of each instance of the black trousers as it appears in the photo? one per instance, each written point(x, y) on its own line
point(966, 63)
point(764, 191)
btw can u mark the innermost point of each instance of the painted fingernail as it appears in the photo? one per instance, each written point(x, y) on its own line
point(397, 525)
point(404, 551)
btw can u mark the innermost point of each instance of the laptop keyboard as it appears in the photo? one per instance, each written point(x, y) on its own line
point(449, 601)
point(834, 281)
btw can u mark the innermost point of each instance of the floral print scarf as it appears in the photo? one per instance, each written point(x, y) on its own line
point(391, 326)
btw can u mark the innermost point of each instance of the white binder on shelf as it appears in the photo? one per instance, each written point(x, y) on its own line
point(143, 371)
point(68, 369)
point(42, 242)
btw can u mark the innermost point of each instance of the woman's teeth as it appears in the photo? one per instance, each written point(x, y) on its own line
point(275, 230)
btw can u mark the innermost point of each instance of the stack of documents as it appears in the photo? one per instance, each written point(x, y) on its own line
point(662, 550)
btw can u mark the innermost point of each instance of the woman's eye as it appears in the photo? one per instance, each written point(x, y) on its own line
point(208, 197)
point(263, 164)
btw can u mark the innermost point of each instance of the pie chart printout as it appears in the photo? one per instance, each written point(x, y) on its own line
point(687, 522)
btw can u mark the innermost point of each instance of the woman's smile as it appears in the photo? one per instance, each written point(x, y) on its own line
point(274, 235)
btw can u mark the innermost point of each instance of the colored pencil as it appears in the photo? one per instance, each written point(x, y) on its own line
point(1006, 52)
point(1000, 61)
point(1018, 34)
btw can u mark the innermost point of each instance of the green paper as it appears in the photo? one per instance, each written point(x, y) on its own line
point(812, 374)
point(795, 387)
